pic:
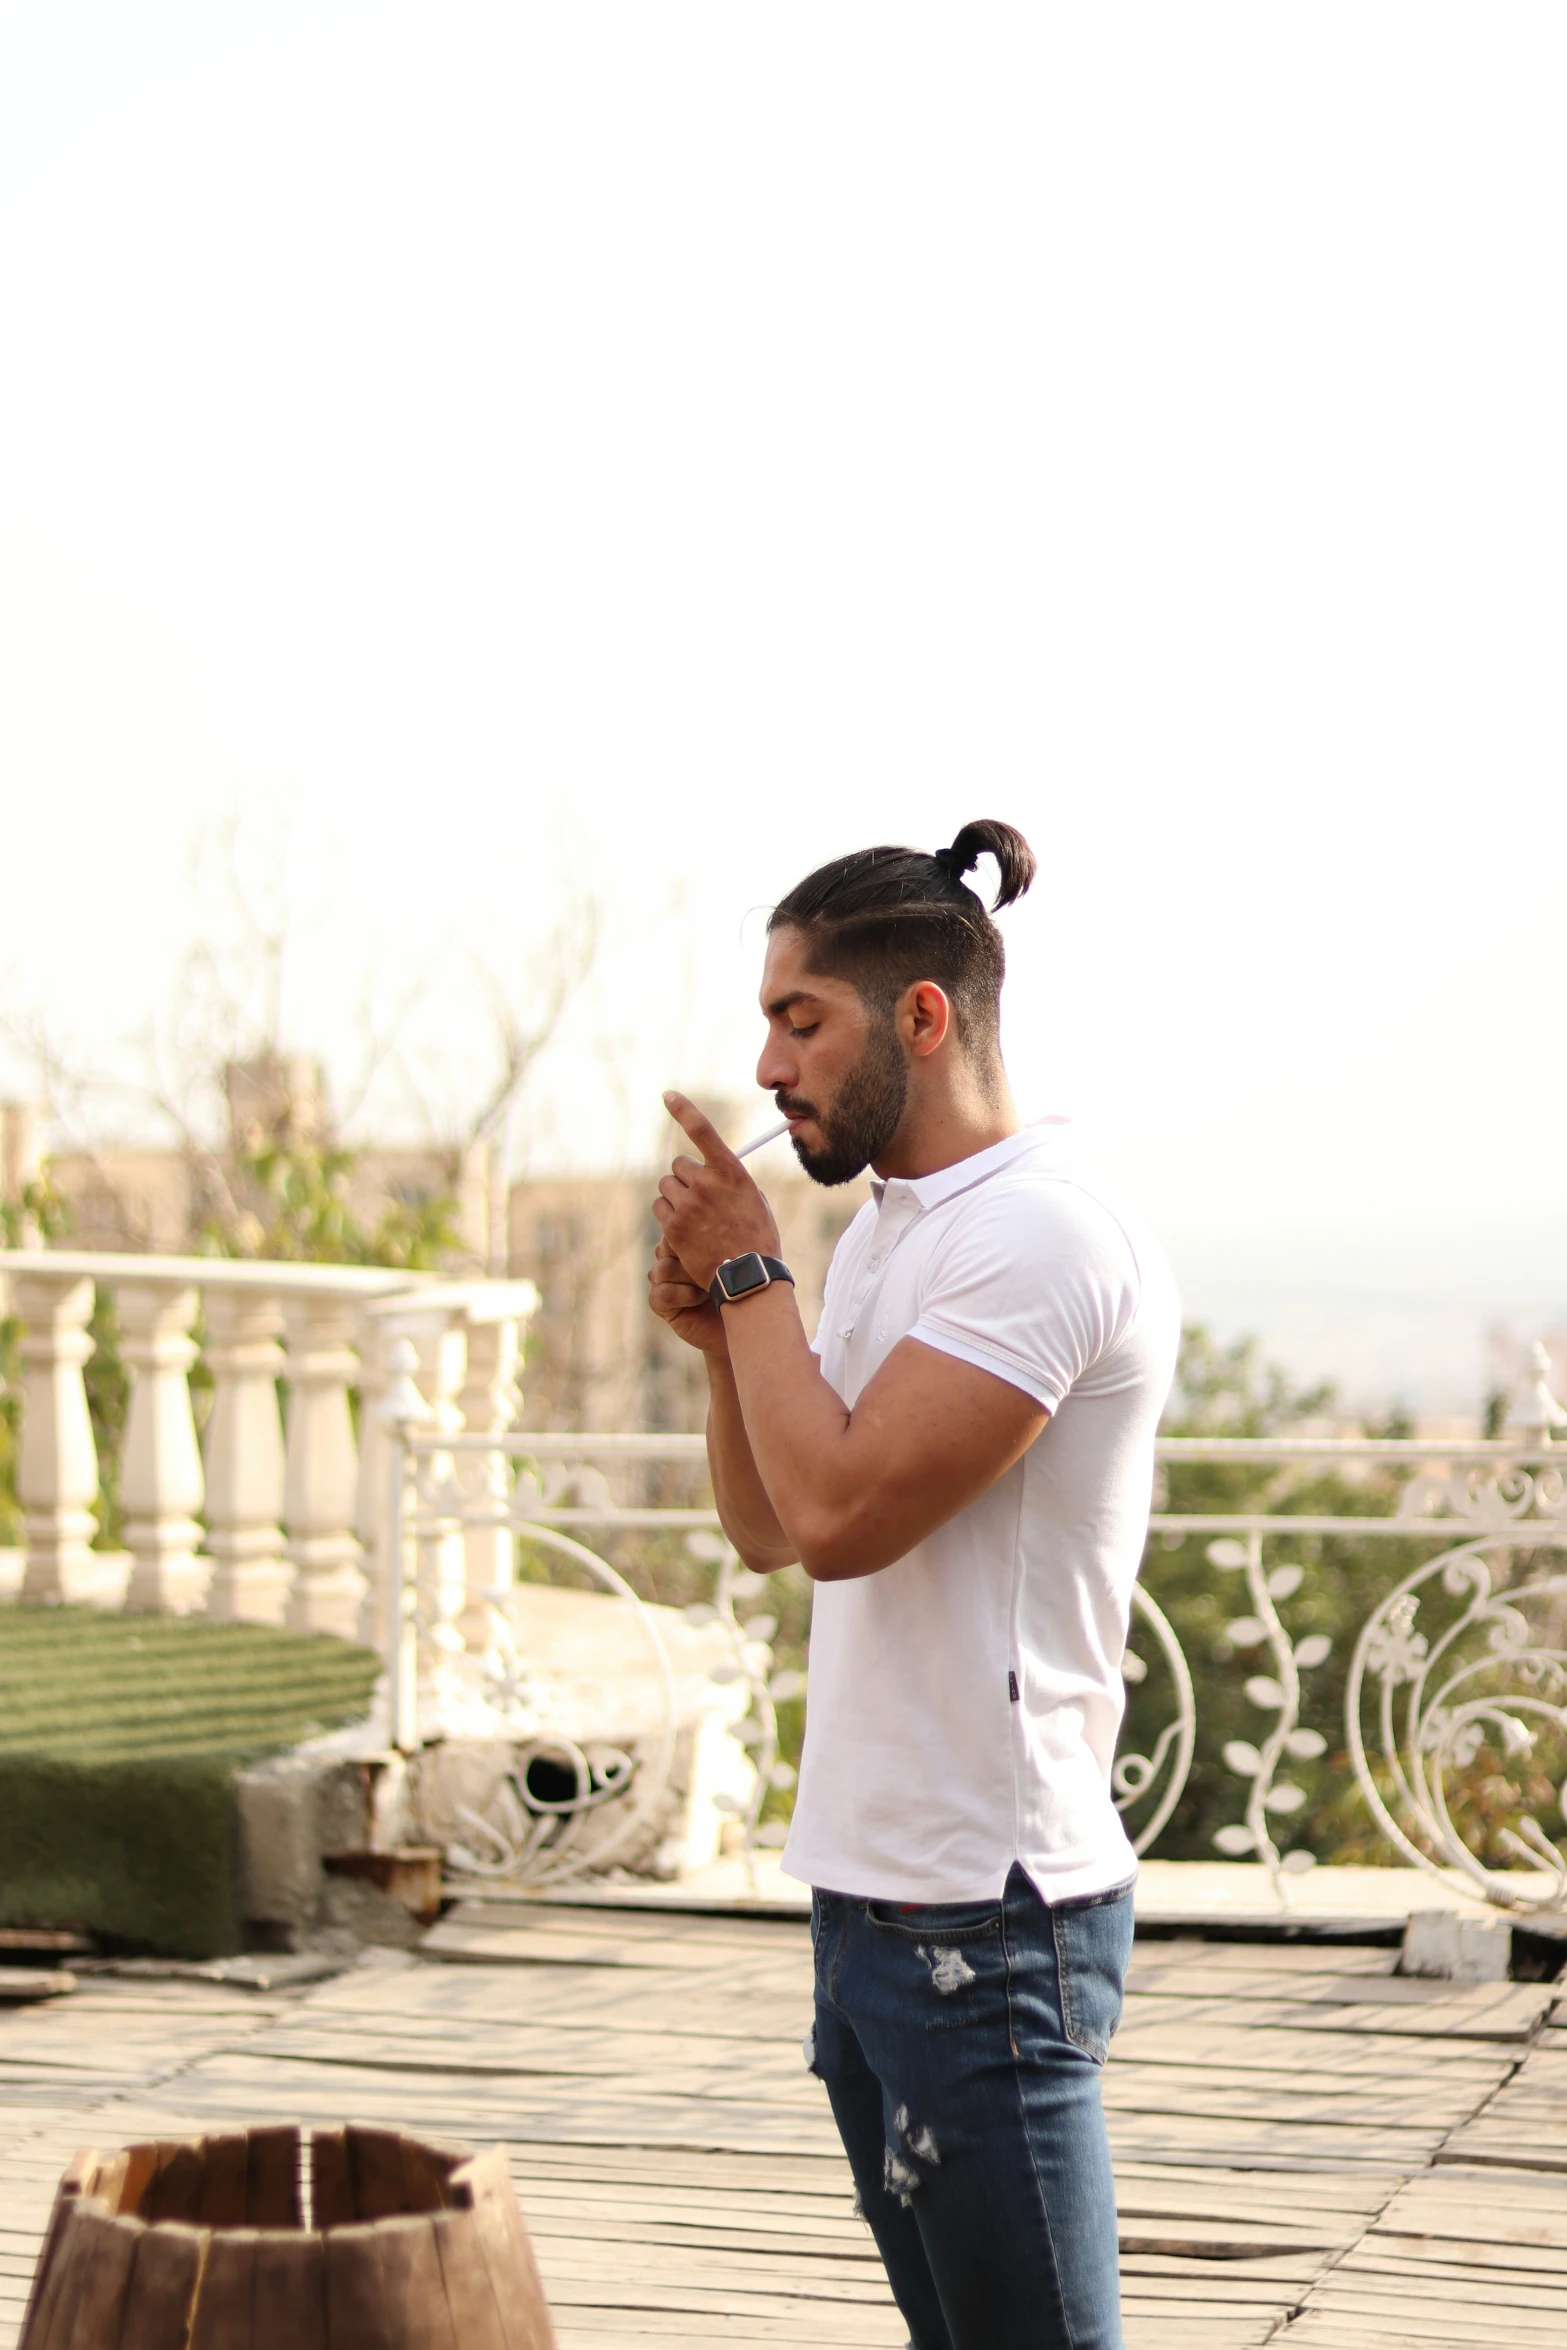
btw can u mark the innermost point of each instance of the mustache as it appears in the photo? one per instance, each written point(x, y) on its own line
point(789, 1105)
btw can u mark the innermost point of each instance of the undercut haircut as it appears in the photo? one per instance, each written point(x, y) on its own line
point(884, 918)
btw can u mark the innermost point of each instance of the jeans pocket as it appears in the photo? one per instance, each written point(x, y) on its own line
point(936, 1921)
point(1093, 1945)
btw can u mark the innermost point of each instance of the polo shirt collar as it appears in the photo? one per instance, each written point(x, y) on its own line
point(929, 1191)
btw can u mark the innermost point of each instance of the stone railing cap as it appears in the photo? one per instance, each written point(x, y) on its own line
point(64, 1264)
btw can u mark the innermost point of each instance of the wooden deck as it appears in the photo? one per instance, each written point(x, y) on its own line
point(1308, 2147)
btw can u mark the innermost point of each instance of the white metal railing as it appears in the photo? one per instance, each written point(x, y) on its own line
point(1488, 1659)
point(270, 1522)
point(407, 1531)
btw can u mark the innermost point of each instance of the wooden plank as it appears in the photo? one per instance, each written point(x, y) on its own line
point(52, 2322)
point(515, 2281)
point(272, 2177)
point(222, 2318)
point(108, 2255)
point(175, 2190)
point(476, 2316)
point(459, 1940)
point(1151, 1952)
point(21, 1984)
point(288, 2291)
point(1444, 2311)
point(589, 2329)
point(358, 2312)
point(1464, 2264)
point(162, 2289)
point(412, 2286)
point(1347, 2056)
point(224, 2198)
point(332, 2203)
point(375, 2158)
point(1318, 2329)
point(1508, 2148)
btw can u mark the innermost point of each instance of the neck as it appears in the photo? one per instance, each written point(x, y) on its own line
point(946, 1122)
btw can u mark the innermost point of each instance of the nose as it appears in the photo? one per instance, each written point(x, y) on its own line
point(777, 1067)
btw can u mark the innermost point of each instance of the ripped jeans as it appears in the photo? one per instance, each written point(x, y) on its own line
point(961, 2046)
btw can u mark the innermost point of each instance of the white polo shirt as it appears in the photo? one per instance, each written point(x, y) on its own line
point(964, 1702)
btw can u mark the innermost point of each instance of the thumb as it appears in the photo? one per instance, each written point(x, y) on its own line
point(699, 1130)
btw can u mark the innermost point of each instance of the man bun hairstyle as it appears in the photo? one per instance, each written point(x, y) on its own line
point(884, 918)
point(1014, 858)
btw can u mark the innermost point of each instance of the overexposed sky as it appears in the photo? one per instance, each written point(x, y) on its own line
point(532, 452)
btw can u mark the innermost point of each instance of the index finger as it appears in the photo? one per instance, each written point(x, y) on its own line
point(698, 1129)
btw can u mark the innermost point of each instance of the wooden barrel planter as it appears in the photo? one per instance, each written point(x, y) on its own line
point(204, 2244)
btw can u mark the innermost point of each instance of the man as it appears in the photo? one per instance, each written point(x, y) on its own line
point(963, 1467)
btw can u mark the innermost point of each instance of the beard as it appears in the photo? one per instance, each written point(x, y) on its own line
point(865, 1113)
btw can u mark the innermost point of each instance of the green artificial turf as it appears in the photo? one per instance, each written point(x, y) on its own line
point(119, 1740)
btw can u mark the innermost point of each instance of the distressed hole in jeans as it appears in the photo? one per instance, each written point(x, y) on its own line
point(899, 2172)
point(949, 1969)
point(808, 2049)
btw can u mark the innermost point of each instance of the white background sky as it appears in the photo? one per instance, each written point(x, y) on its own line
point(646, 450)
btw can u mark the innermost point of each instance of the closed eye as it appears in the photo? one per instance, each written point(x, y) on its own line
point(808, 1031)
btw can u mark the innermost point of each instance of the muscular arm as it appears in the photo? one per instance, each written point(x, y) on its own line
point(855, 1490)
point(797, 1473)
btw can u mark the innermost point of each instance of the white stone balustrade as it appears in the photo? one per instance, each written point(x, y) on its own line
point(57, 1473)
point(321, 1473)
point(250, 1572)
point(270, 1526)
point(489, 1401)
point(161, 1484)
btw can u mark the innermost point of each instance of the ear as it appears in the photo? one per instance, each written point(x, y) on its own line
point(925, 1018)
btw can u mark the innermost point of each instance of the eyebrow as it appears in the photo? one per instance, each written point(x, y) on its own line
point(786, 1003)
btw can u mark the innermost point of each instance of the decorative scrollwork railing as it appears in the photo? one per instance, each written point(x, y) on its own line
point(1489, 1673)
point(1429, 1685)
point(1464, 1656)
point(1157, 1778)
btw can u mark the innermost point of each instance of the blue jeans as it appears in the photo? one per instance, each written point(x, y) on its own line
point(961, 2046)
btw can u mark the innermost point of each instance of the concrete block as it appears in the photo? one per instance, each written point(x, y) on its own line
point(1458, 1946)
point(292, 1809)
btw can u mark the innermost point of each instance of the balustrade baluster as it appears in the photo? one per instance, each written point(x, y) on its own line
point(489, 1401)
point(57, 1473)
point(250, 1574)
point(375, 1344)
point(160, 1481)
point(442, 1558)
point(321, 1467)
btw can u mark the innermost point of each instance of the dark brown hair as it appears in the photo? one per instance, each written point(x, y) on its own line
point(884, 918)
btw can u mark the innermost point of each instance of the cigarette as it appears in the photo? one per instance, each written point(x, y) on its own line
point(758, 1141)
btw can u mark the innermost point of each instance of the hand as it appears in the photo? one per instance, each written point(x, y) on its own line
point(710, 1209)
point(684, 1304)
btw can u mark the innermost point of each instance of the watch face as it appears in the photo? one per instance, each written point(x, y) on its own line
point(743, 1274)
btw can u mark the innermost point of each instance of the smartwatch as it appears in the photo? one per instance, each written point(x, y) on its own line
point(739, 1276)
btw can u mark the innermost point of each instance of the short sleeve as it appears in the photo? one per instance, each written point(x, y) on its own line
point(1038, 1284)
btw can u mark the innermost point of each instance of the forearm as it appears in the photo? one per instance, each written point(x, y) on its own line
point(797, 1429)
point(747, 1515)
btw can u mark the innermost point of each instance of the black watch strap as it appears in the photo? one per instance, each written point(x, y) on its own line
point(739, 1277)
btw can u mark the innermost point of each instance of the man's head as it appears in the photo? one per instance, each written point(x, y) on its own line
point(884, 973)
